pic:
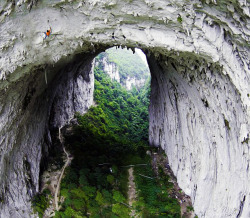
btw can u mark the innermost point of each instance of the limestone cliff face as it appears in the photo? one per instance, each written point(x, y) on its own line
point(198, 53)
point(35, 105)
point(199, 130)
point(74, 94)
point(132, 81)
point(109, 68)
point(112, 69)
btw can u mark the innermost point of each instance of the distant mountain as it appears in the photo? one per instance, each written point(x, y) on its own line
point(124, 66)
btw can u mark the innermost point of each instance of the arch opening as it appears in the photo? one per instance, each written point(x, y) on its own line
point(184, 88)
point(199, 58)
point(101, 60)
point(182, 112)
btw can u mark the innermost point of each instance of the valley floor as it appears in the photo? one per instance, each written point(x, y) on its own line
point(113, 173)
point(139, 186)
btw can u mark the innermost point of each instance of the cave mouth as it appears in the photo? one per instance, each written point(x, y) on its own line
point(65, 82)
point(198, 114)
point(130, 69)
point(128, 72)
point(127, 68)
point(175, 83)
point(107, 147)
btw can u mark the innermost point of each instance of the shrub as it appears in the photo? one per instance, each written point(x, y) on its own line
point(227, 124)
point(179, 19)
point(40, 203)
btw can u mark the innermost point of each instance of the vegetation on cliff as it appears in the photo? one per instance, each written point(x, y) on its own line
point(109, 138)
point(129, 64)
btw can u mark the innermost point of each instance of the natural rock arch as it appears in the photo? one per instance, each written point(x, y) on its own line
point(198, 54)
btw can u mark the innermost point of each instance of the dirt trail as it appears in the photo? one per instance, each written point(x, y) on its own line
point(56, 197)
point(131, 189)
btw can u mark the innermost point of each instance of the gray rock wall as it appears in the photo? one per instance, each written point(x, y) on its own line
point(199, 52)
point(109, 68)
point(112, 70)
point(74, 93)
point(25, 133)
point(21, 144)
point(195, 117)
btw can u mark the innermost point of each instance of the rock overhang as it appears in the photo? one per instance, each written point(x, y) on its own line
point(197, 44)
point(203, 30)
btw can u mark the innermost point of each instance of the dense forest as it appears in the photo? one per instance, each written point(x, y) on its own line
point(111, 137)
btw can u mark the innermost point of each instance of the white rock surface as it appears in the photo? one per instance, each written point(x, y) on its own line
point(74, 94)
point(188, 118)
point(199, 109)
point(111, 69)
point(132, 81)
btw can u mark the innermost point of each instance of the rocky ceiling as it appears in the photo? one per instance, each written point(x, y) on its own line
point(198, 53)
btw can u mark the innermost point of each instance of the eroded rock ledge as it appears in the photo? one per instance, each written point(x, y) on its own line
point(198, 53)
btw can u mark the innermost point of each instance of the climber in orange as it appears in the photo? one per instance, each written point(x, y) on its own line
point(47, 34)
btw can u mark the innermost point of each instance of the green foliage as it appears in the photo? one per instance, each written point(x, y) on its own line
point(119, 112)
point(129, 64)
point(99, 198)
point(110, 179)
point(190, 208)
point(40, 202)
point(118, 197)
point(227, 124)
point(246, 140)
point(179, 19)
point(120, 210)
point(110, 136)
point(154, 200)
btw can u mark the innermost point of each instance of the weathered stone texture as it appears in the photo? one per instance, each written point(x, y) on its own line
point(199, 59)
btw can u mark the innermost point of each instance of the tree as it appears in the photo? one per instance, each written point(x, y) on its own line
point(110, 179)
point(99, 198)
point(118, 197)
point(121, 210)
